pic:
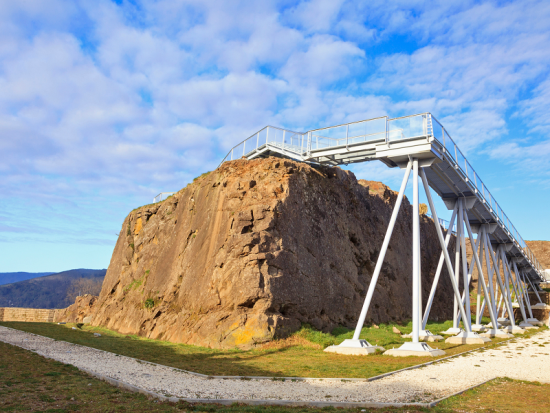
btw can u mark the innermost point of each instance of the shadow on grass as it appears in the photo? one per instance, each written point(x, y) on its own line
point(300, 355)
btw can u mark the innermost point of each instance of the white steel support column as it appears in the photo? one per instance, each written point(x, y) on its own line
point(540, 304)
point(415, 257)
point(416, 348)
point(532, 320)
point(439, 269)
point(520, 295)
point(488, 297)
point(355, 345)
point(512, 328)
point(442, 243)
point(468, 336)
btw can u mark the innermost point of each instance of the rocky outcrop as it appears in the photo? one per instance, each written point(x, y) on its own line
point(256, 248)
point(79, 312)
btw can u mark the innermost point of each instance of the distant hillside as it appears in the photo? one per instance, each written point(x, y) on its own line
point(52, 291)
point(13, 277)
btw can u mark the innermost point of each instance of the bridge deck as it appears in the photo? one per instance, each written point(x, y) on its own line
point(393, 141)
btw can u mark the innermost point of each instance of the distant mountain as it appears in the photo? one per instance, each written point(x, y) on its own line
point(52, 291)
point(13, 277)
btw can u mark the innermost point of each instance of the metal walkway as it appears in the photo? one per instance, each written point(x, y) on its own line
point(394, 142)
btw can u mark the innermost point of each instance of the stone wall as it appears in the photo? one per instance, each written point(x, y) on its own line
point(26, 314)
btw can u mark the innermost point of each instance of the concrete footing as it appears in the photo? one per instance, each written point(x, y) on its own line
point(352, 347)
point(534, 322)
point(541, 306)
point(415, 349)
point(467, 338)
point(513, 330)
point(478, 328)
point(492, 333)
point(527, 326)
point(425, 335)
point(504, 321)
point(452, 331)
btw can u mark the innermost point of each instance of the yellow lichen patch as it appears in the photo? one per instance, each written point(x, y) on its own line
point(252, 332)
point(138, 226)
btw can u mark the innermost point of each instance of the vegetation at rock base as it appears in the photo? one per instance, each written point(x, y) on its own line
point(299, 355)
point(29, 382)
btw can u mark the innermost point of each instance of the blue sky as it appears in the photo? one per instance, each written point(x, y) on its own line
point(105, 104)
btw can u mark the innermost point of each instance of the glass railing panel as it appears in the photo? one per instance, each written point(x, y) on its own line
point(407, 128)
point(366, 131)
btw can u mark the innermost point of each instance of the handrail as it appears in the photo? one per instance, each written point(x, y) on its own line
point(159, 197)
point(481, 191)
point(430, 129)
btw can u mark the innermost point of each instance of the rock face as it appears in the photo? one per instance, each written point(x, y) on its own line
point(79, 312)
point(254, 249)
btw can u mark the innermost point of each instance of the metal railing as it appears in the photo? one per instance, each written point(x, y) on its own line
point(444, 223)
point(303, 146)
point(293, 142)
point(162, 196)
point(469, 175)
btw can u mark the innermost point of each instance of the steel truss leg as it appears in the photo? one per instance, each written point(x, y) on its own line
point(355, 345)
point(505, 289)
point(481, 279)
point(536, 292)
point(439, 268)
point(442, 243)
point(416, 347)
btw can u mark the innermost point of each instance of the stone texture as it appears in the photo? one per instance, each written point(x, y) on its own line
point(79, 312)
point(26, 314)
point(254, 249)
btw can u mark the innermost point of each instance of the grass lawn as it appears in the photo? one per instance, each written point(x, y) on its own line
point(29, 382)
point(300, 355)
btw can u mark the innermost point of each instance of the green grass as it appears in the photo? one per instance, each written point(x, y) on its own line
point(300, 355)
point(30, 382)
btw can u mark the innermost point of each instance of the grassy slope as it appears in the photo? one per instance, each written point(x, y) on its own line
point(29, 382)
point(300, 355)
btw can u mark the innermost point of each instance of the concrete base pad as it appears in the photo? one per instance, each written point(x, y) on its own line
point(467, 338)
point(415, 349)
point(504, 321)
point(431, 338)
point(527, 326)
point(513, 330)
point(490, 325)
point(425, 335)
point(534, 322)
point(541, 306)
point(478, 328)
point(352, 347)
point(496, 334)
point(354, 351)
point(452, 331)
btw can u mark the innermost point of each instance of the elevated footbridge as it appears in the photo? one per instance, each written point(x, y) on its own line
point(395, 142)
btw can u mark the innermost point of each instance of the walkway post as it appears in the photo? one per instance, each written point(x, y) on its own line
point(416, 257)
point(439, 269)
point(442, 243)
point(382, 254)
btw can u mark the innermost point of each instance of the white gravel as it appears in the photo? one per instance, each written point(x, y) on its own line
point(524, 359)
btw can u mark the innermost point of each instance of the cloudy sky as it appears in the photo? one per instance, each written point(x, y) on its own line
point(104, 104)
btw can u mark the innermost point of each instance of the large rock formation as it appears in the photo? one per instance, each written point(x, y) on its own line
point(255, 248)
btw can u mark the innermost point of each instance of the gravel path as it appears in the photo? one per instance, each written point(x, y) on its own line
point(524, 359)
